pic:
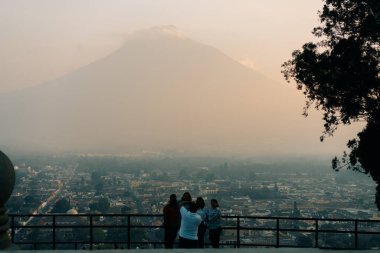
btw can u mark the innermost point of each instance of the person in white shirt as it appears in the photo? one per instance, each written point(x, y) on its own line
point(188, 232)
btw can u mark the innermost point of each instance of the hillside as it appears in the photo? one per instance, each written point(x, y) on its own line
point(159, 92)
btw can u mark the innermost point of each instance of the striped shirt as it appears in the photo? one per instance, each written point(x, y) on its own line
point(213, 219)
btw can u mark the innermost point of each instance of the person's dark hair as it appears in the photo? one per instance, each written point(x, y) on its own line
point(173, 199)
point(193, 207)
point(214, 202)
point(200, 203)
point(186, 196)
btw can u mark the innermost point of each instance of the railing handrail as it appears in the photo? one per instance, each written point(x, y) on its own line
point(239, 227)
point(223, 216)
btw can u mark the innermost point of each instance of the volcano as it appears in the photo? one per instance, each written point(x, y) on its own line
point(160, 91)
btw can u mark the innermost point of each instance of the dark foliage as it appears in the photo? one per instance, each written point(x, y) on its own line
point(340, 75)
point(101, 206)
point(61, 206)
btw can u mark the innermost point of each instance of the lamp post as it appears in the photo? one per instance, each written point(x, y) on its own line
point(7, 182)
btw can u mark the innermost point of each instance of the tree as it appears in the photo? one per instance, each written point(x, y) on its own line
point(61, 206)
point(340, 75)
point(102, 205)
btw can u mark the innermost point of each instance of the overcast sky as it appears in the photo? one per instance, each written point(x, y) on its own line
point(43, 39)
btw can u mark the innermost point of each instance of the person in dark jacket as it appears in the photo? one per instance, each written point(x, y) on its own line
point(171, 221)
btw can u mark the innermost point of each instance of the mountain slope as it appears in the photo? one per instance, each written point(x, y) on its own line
point(159, 91)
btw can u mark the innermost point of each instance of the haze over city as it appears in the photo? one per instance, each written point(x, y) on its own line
point(147, 76)
point(117, 115)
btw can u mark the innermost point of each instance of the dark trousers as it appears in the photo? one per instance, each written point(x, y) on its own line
point(170, 235)
point(187, 244)
point(214, 236)
point(201, 235)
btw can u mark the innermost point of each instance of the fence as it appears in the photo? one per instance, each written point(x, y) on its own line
point(93, 231)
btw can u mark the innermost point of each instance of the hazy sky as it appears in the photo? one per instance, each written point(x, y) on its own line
point(44, 39)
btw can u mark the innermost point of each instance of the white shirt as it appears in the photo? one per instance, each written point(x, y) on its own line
point(189, 224)
point(202, 213)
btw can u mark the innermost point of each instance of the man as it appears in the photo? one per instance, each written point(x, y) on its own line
point(171, 221)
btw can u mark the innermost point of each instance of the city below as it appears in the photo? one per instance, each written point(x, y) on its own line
point(97, 185)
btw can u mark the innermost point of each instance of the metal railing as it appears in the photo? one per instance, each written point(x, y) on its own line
point(92, 231)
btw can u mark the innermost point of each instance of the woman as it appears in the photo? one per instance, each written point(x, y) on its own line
point(202, 227)
point(185, 200)
point(214, 223)
point(188, 231)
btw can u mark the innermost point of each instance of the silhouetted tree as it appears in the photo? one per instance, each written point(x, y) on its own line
point(99, 188)
point(30, 200)
point(340, 75)
point(61, 206)
point(102, 205)
point(95, 177)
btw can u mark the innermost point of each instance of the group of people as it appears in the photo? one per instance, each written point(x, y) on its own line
point(190, 220)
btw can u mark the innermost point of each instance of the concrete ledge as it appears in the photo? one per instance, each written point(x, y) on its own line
point(226, 250)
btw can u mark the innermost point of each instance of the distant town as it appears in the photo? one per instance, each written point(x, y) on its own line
point(242, 188)
point(114, 185)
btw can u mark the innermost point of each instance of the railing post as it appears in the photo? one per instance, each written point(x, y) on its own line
point(53, 232)
point(13, 232)
point(238, 232)
point(129, 232)
point(356, 234)
point(277, 232)
point(91, 232)
point(316, 233)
